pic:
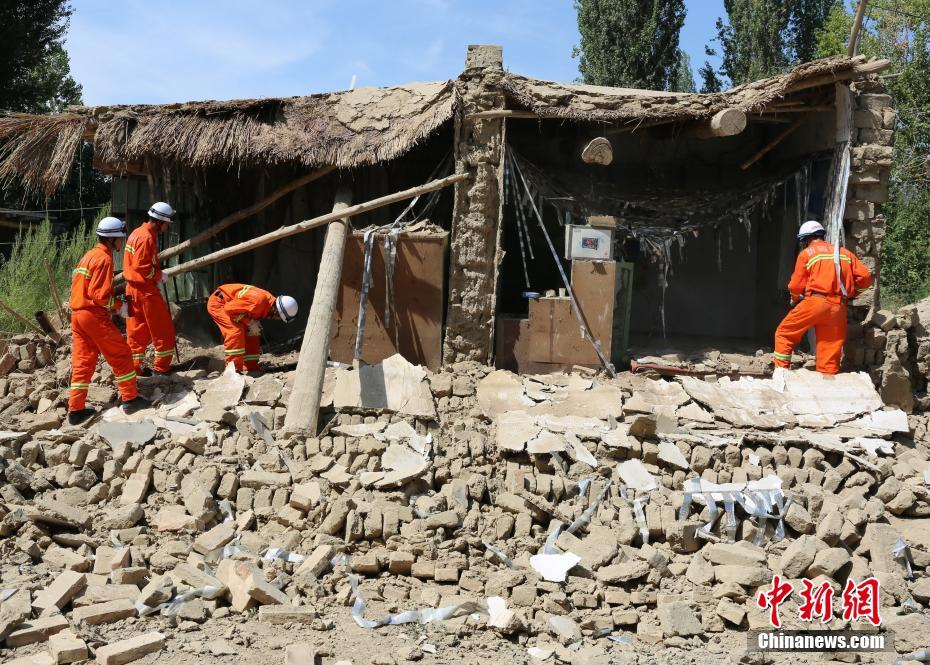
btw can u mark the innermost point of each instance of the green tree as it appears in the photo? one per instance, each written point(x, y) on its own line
point(761, 38)
point(683, 75)
point(901, 33)
point(629, 43)
point(35, 77)
point(806, 18)
point(34, 73)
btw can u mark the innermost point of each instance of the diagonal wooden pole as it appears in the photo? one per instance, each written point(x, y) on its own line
point(239, 215)
point(304, 407)
point(301, 227)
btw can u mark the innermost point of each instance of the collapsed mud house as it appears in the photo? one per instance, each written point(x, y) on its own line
point(694, 200)
point(566, 517)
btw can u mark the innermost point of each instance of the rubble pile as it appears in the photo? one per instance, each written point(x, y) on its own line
point(581, 519)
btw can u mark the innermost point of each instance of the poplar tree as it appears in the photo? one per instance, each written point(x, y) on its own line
point(630, 43)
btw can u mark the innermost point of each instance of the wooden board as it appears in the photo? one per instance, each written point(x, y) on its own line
point(555, 333)
point(419, 297)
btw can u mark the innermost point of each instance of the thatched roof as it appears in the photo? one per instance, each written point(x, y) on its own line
point(596, 103)
point(347, 129)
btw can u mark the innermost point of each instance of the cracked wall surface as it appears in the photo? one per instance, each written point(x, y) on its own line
point(474, 255)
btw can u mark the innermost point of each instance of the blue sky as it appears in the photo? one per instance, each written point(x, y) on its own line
point(137, 51)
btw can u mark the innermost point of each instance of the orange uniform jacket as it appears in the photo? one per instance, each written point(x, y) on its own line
point(233, 307)
point(140, 262)
point(93, 332)
point(92, 282)
point(150, 320)
point(815, 272)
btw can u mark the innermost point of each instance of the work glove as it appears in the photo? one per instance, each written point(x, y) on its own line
point(164, 278)
point(124, 310)
point(255, 329)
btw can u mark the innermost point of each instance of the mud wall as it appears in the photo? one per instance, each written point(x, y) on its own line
point(476, 213)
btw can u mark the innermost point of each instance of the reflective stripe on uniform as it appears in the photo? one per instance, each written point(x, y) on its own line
point(130, 249)
point(126, 377)
point(166, 352)
point(781, 356)
point(151, 273)
point(250, 357)
point(237, 319)
point(826, 257)
point(80, 386)
point(82, 271)
point(235, 352)
point(138, 356)
point(245, 289)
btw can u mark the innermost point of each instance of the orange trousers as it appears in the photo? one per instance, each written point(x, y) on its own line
point(94, 333)
point(150, 322)
point(827, 316)
point(241, 348)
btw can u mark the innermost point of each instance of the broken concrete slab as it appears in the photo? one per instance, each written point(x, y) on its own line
point(392, 385)
point(500, 392)
point(127, 651)
point(221, 395)
point(118, 434)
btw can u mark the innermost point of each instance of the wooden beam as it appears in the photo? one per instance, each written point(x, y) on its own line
point(229, 220)
point(294, 229)
point(787, 131)
point(797, 109)
point(728, 122)
point(504, 113)
point(641, 125)
point(304, 406)
point(56, 296)
point(857, 26)
point(239, 215)
point(864, 69)
point(22, 319)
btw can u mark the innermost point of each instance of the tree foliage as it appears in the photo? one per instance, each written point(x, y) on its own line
point(899, 31)
point(764, 37)
point(35, 77)
point(683, 75)
point(630, 43)
point(34, 73)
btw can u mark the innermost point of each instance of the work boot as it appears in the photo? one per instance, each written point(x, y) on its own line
point(167, 372)
point(80, 416)
point(145, 372)
point(134, 405)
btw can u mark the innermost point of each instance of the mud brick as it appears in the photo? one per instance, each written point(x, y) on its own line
point(94, 615)
point(36, 630)
point(60, 592)
point(215, 538)
point(66, 647)
point(126, 651)
point(279, 614)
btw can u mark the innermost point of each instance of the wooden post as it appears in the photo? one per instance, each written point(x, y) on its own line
point(56, 296)
point(304, 408)
point(294, 229)
point(785, 133)
point(22, 319)
point(857, 26)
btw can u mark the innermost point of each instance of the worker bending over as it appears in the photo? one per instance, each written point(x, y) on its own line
point(819, 299)
point(237, 309)
point(150, 320)
point(92, 302)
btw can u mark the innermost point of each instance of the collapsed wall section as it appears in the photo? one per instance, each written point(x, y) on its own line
point(477, 209)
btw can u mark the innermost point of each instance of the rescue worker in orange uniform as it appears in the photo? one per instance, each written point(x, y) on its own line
point(819, 298)
point(237, 309)
point(93, 331)
point(150, 320)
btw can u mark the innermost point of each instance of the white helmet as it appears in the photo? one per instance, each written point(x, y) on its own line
point(161, 212)
point(810, 228)
point(111, 227)
point(287, 308)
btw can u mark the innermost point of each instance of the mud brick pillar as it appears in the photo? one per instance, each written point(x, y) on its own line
point(476, 215)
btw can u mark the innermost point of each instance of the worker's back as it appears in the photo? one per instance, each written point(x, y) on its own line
point(815, 272)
